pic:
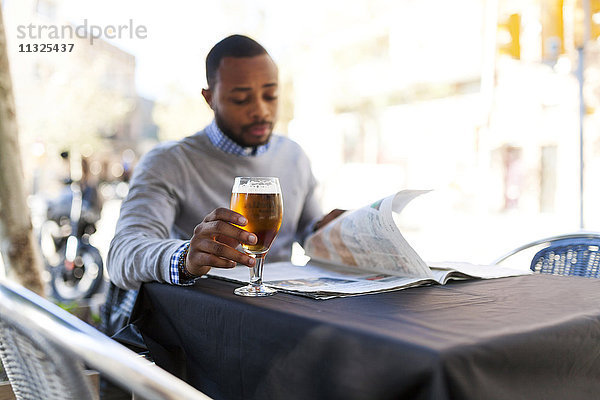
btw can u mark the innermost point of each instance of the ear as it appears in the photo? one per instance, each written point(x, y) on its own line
point(207, 94)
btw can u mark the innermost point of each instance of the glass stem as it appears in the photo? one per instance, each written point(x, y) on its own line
point(257, 270)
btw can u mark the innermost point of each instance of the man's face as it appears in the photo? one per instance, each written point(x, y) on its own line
point(244, 99)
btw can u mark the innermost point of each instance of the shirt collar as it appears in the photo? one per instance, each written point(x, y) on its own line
point(222, 142)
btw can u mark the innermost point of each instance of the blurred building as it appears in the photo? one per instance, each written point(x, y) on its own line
point(476, 99)
point(398, 87)
point(83, 99)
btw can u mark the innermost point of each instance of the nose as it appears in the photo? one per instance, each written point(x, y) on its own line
point(260, 110)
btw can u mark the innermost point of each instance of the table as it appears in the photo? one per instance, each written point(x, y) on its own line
point(527, 337)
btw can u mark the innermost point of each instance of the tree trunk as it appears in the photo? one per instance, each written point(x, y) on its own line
point(19, 250)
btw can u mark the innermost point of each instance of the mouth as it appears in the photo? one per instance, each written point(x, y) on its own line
point(259, 130)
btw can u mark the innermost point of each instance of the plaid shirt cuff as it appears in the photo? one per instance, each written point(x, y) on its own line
point(176, 276)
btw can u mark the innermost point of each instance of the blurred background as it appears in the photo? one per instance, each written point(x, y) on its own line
point(487, 102)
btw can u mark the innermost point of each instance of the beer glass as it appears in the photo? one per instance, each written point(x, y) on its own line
point(259, 200)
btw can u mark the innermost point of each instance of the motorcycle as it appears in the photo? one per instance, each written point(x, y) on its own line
point(75, 266)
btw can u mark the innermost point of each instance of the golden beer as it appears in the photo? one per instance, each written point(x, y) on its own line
point(264, 212)
point(259, 200)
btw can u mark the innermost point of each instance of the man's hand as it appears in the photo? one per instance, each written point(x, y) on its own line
point(328, 218)
point(215, 240)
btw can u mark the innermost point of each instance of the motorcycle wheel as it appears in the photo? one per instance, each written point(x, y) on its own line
point(83, 281)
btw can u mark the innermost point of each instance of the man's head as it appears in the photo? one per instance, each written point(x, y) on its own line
point(242, 90)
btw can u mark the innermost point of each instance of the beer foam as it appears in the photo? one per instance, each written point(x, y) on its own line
point(258, 185)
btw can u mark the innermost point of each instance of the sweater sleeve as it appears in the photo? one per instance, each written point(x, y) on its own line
point(311, 210)
point(141, 249)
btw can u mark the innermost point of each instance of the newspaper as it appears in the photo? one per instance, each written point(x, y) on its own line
point(368, 238)
point(322, 281)
point(362, 252)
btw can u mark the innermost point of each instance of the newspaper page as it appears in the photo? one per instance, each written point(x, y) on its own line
point(362, 252)
point(321, 281)
point(443, 271)
point(368, 238)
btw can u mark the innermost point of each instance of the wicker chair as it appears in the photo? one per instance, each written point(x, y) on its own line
point(44, 350)
point(575, 254)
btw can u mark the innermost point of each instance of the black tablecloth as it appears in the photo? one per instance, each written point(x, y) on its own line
point(528, 337)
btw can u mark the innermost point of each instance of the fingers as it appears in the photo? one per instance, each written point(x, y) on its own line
point(213, 229)
point(231, 242)
point(225, 214)
point(198, 259)
point(328, 218)
point(219, 222)
point(206, 253)
point(215, 240)
point(208, 249)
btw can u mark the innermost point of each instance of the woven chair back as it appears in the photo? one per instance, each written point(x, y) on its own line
point(573, 256)
point(37, 369)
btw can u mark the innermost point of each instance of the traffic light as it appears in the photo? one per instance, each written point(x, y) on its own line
point(509, 36)
point(594, 19)
point(553, 32)
point(579, 16)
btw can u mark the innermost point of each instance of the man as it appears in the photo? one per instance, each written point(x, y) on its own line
point(175, 224)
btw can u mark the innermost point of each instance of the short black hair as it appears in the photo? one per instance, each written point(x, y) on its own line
point(237, 46)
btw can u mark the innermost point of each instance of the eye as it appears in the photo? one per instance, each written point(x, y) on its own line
point(240, 101)
point(270, 97)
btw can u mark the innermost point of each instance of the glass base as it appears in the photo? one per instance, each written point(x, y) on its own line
point(255, 291)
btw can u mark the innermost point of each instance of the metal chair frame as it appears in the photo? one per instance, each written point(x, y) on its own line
point(44, 350)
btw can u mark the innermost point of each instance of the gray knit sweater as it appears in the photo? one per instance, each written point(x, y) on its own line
point(177, 184)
